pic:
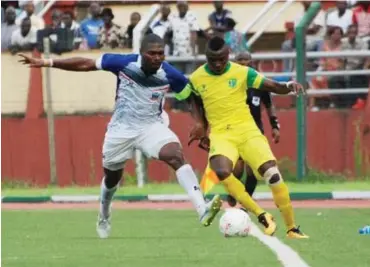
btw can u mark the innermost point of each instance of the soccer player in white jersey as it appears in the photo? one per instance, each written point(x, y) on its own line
point(142, 82)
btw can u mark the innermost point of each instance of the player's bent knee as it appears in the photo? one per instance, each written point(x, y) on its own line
point(272, 176)
point(222, 173)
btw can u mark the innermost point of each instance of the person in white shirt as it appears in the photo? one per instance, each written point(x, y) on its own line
point(24, 38)
point(341, 17)
point(161, 26)
point(36, 22)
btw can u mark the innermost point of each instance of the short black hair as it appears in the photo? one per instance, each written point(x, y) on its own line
point(216, 43)
point(151, 38)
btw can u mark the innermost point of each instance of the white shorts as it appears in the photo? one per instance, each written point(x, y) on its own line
point(117, 150)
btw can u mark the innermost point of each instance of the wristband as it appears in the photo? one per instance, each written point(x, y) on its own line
point(48, 62)
point(288, 84)
point(274, 123)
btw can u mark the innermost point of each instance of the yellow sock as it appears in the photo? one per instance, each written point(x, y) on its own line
point(281, 196)
point(235, 188)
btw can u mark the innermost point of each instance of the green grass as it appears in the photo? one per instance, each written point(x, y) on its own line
point(172, 238)
point(175, 188)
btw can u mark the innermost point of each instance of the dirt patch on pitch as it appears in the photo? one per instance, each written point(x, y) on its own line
point(181, 205)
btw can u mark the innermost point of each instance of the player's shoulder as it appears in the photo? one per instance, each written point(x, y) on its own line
point(120, 57)
point(200, 72)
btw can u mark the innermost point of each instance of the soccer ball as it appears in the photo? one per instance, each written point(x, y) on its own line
point(235, 222)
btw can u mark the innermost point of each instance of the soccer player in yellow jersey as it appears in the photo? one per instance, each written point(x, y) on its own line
point(219, 87)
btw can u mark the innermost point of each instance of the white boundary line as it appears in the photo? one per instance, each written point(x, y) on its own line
point(285, 254)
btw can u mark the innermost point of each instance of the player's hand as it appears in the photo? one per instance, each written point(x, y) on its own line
point(276, 135)
point(296, 88)
point(197, 133)
point(32, 62)
point(204, 143)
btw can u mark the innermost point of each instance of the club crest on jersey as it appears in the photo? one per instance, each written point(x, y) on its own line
point(232, 83)
point(202, 88)
point(156, 96)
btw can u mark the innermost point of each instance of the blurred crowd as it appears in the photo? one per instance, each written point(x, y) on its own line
point(346, 27)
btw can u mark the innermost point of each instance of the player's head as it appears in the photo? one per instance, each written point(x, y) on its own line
point(152, 52)
point(244, 59)
point(217, 54)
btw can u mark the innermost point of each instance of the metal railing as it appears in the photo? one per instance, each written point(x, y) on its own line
point(267, 23)
point(260, 15)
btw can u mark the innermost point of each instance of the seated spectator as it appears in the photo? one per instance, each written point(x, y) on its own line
point(217, 19)
point(161, 26)
point(90, 27)
point(315, 34)
point(353, 42)
point(24, 38)
point(68, 22)
point(332, 43)
point(234, 39)
point(36, 22)
point(134, 20)
point(361, 18)
point(7, 28)
point(56, 19)
point(341, 17)
point(110, 34)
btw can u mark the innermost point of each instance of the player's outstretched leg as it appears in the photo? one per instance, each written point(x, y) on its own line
point(108, 187)
point(172, 154)
point(280, 192)
point(223, 167)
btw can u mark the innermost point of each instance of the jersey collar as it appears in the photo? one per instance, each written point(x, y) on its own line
point(207, 69)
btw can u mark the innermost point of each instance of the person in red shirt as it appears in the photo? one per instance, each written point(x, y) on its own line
point(361, 18)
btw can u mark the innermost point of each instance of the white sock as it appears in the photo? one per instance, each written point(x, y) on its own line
point(106, 196)
point(189, 181)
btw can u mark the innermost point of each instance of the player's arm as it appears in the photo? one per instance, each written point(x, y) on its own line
point(69, 64)
point(258, 81)
point(274, 122)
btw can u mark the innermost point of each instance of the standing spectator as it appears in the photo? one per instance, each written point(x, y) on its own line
point(341, 17)
point(361, 18)
point(36, 22)
point(217, 19)
point(355, 63)
point(134, 20)
point(333, 43)
point(184, 28)
point(161, 26)
point(110, 34)
point(8, 27)
point(234, 39)
point(68, 22)
point(90, 26)
point(24, 38)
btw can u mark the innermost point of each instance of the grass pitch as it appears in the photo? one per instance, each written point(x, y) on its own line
point(142, 238)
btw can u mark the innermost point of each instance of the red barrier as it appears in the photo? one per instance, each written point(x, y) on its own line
point(331, 136)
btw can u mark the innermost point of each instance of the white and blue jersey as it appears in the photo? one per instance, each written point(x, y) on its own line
point(139, 98)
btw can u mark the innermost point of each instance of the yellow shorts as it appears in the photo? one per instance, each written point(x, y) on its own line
point(253, 149)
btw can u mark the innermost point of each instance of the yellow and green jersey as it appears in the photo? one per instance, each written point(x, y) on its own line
point(224, 96)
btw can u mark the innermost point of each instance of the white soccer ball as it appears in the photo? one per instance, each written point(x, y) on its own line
point(235, 222)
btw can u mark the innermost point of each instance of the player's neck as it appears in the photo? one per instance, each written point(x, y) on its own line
point(209, 71)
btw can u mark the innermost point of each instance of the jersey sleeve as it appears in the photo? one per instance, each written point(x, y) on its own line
point(114, 62)
point(254, 78)
point(176, 79)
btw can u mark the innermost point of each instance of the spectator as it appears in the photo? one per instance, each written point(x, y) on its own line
point(8, 27)
point(184, 28)
point(314, 35)
point(234, 39)
point(110, 34)
point(68, 22)
point(90, 26)
point(56, 19)
point(355, 63)
point(217, 19)
point(2, 15)
point(341, 17)
point(24, 38)
point(134, 20)
point(161, 26)
point(333, 43)
point(36, 22)
point(361, 18)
